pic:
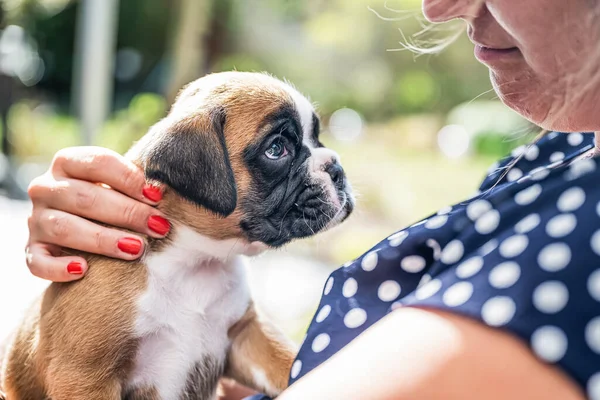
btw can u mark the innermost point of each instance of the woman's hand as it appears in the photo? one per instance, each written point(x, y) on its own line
point(68, 197)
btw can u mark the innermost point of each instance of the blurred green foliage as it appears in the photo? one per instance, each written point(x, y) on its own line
point(41, 132)
point(335, 51)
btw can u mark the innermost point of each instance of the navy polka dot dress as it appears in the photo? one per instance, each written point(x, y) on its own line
point(523, 254)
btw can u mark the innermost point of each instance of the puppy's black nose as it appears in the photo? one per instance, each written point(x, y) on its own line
point(336, 172)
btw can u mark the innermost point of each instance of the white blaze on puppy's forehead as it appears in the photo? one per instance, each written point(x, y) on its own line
point(319, 155)
point(305, 111)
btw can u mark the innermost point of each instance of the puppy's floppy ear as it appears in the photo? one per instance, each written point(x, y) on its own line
point(190, 156)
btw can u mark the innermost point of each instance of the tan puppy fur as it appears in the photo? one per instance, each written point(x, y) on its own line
point(169, 325)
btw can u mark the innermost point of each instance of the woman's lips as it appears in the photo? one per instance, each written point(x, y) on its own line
point(488, 54)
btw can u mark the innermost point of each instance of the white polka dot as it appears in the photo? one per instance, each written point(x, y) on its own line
point(554, 257)
point(593, 284)
point(445, 210)
point(557, 156)
point(488, 247)
point(388, 291)
point(540, 173)
point(561, 225)
point(504, 275)
point(550, 297)
point(424, 280)
point(453, 252)
point(436, 222)
point(575, 138)
point(498, 311)
point(348, 264)
point(428, 289)
point(477, 208)
point(579, 168)
point(412, 263)
point(350, 287)
point(598, 209)
point(518, 151)
point(513, 246)
point(328, 286)
point(527, 224)
point(592, 334)
point(488, 222)
point(296, 368)
point(528, 196)
point(458, 294)
point(323, 313)
point(553, 135)
point(571, 199)
point(593, 387)
point(396, 305)
point(514, 174)
point(469, 267)
point(549, 343)
point(595, 242)
point(397, 238)
point(532, 153)
point(369, 262)
point(437, 250)
point(355, 318)
point(320, 342)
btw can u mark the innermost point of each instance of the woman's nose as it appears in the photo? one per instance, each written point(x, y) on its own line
point(446, 10)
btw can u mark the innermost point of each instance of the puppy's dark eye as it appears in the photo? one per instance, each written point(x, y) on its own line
point(276, 151)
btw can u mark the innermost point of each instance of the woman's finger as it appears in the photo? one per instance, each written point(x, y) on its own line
point(97, 164)
point(105, 205)
point(67, 230)
point(43, 264)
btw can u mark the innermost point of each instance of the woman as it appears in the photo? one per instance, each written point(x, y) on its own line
point(497, 297)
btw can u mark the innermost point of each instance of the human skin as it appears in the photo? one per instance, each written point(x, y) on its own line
point(67, 197)
point(553, 78)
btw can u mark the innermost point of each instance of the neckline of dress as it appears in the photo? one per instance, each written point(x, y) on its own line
point(590, 153)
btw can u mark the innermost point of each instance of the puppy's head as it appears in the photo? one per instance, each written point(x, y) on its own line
point(245, 148)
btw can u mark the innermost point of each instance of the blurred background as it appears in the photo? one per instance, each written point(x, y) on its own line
point(416, 133)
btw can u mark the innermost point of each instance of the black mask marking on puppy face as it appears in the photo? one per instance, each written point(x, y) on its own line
point(285, 202)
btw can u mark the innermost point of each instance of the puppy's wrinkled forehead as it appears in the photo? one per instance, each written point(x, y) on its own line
point(250, 102)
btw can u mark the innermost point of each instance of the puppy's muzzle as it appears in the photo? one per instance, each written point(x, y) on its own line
point(337, 174)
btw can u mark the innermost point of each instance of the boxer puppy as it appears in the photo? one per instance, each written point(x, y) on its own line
point(242, 169)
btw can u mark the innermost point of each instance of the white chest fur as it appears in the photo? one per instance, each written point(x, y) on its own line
point(195, 293)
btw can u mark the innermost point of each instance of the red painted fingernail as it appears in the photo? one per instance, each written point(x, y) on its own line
point(129, 245)
point(159, 225)
point(152, 192)
point(74, 268)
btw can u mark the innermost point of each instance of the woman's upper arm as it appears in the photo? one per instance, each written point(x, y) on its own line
point(416, 353)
